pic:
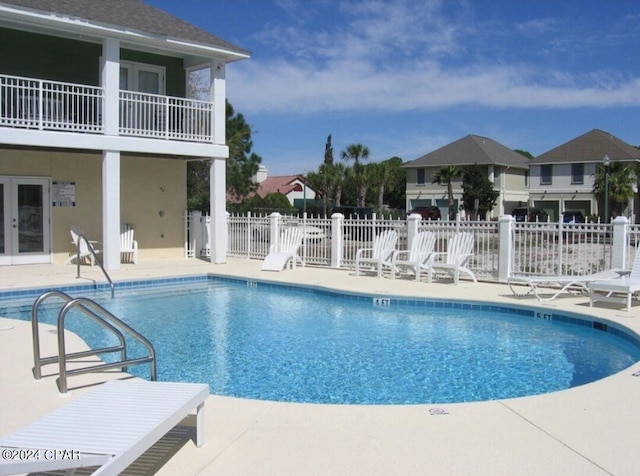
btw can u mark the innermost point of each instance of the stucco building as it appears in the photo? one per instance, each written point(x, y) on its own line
point(96, 127)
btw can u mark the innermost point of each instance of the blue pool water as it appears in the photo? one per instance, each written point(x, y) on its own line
point(273, 343)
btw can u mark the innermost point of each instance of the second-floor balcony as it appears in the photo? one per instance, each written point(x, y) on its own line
point(29, 103)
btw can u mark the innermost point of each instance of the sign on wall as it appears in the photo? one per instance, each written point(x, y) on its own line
point(64, 194)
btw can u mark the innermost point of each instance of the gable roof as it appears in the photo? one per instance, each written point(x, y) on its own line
point(471, 150)
point(130, 14)
point(590, 147)
point(279, 184)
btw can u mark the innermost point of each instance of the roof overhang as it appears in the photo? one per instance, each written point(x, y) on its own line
point(15, 17)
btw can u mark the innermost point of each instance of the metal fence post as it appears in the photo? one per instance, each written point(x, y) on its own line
point(505, 247)
point(619, 243)
point(196, 233)
point(274, 229)
point(413, 222)
point(337, 239)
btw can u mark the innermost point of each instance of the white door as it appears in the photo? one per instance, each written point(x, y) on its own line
point(24, 220)
point(142, 111)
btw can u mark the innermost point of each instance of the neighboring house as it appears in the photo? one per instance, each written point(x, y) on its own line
point(291, 186)
point(96, 129)
point(562, 178)
point(505, 168)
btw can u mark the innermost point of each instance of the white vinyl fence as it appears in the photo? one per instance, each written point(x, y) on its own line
point(502, 248)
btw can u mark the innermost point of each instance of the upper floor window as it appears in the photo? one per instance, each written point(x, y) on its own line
point(577, 174)
point(546, 174)
point(526, 178)
point(421, 178)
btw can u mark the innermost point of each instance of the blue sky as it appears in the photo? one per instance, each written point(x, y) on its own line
point(407, 77)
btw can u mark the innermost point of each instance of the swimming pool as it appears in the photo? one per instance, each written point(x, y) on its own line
point(284, 343)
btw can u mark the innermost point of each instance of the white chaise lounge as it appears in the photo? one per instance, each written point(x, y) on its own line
point(109, 427)
point(286, 251)
point(557, 285)
point(619, 290)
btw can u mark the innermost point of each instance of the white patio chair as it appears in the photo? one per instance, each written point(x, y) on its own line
point(286, 251)
point(380, 255)
point(417, 258)
point(619, 290)
point(459, 250)
point(85, 252)
point(128, 246)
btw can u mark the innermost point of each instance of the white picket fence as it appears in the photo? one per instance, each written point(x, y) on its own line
point(502, 248)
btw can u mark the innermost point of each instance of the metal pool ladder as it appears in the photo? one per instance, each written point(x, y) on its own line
point(101, 316)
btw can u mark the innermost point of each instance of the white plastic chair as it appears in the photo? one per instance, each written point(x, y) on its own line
point(418, 258)
point(380, 255)
point(85, 252)
point(128, 246)
point(286, 251)
point(459, 250)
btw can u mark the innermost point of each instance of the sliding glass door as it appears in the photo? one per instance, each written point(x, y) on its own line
point(24, 220)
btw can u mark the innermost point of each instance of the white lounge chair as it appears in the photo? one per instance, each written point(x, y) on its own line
point(109, 427)
point(566, 283)
point(417, 258)
point(380, 255)
point(459, 250)
point(128, 246)
point(619, 290)
point(85, 252)
point(286, 251)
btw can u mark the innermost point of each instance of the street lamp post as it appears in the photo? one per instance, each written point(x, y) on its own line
point(606, 161)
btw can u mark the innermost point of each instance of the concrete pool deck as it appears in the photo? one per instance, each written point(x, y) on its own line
point(587, 430)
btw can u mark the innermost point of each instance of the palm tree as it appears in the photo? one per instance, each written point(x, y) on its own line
point(357, 152)
point(380, 176)
point(446, 176)
point(339, 173)
point(622, 178)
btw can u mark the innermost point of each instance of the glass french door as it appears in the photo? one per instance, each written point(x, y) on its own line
point(24, 220)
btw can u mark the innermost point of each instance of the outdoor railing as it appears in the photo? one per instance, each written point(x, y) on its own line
point(501, 248)
point(52, 105)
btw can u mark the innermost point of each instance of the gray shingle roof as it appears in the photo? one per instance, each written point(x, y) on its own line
point(132, 14)
point(590, 147)
point(472, 150)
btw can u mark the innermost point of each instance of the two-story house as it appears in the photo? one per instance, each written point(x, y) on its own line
point(96, 127)
point(563, 177)
point(506, 169)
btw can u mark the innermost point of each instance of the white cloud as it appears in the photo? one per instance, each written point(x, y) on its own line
point(400, 56)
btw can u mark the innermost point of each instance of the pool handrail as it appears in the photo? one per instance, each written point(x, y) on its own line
point(39, 362)
point(82, 304)
point(101, 316)
point(97, 260)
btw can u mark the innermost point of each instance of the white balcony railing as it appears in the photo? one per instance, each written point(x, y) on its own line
point(51, 105)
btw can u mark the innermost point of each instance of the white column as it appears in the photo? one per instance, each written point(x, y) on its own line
point(337, 239)
point(217, 210)
point(110, 81)
point(111, 209)
point(217, 170)
point(505, 247)
point(413, 223)
point(217, 94)
point(620, 227)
